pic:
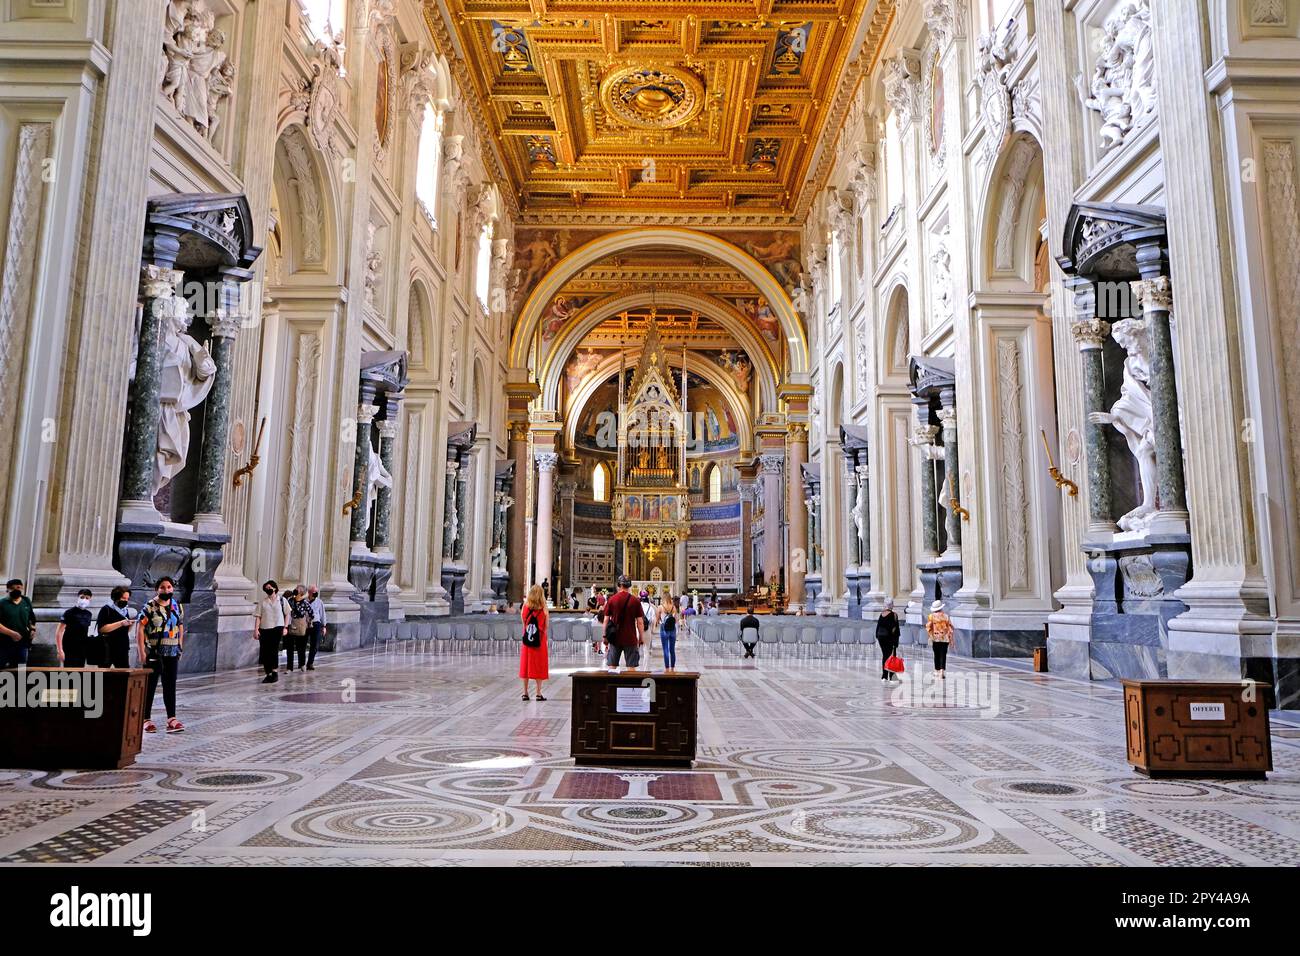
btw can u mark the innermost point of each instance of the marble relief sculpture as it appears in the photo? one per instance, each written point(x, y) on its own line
point(1123, 82)
point(1133, 417)
point(186, 374)
point(197, 76)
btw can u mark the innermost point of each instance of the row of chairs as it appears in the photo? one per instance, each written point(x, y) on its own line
point(787, 637)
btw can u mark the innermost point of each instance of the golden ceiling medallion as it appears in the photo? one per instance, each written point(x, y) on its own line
point(660, 97)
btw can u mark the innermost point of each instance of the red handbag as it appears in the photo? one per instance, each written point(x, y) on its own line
point(894, 664)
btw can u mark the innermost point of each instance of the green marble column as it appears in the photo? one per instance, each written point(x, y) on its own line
point(449, 525)
point(1156, 298)
point(384, 497)
point(360, 468)
point(462, 515)
point(1090, 332)
point(224, 322)
point(948, 416)
point(158, 289)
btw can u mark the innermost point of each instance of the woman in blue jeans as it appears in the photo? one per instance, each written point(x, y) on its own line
point(668, 632)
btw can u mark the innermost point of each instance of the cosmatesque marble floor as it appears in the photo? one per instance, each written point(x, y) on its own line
point(427, 757)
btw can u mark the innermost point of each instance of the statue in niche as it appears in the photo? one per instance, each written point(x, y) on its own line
point(1133, 417)
point(186, 375)
point(377, 477)
point(197, 75)
point(1123, 83)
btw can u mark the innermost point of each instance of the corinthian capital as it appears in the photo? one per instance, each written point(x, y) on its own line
point(547, 461)
point(1154, 295)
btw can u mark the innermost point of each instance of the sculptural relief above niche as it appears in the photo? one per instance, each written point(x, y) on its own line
point(1122, 89)
point(196, 74)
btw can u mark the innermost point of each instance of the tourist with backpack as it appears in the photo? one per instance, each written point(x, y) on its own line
point(668, 632)
point(295, 635)
point(534, 664)
point(624, 625)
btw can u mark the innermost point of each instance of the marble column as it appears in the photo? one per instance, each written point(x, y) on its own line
point(159, 290)
point(679, 566)
point(516, 530)
point(795, 457)
point(923, 438)
point(463, 476)
point(948, 420)
point(1156, 298)
point(772, 467)
point(1090, 333)
point(384, 496)
point(224, 323)
point(360, 469)
point(450, 522)
point(810, 506)
point(547, 462)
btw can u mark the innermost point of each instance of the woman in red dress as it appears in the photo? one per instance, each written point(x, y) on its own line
point(533, 662)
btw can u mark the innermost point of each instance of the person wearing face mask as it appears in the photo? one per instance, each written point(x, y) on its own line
point(114, 627)
point(317, 630)
point(271, 624)
point(72, 639)
point(17, 625)
point(159, 639)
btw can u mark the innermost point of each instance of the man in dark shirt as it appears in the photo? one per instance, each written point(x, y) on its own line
point(17, 625)
point(624, 608)
point(114, 626)
point(72, 640)
point(749, 623)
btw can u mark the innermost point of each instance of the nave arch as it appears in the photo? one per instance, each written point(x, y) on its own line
point(589, 317)
point(530, 318)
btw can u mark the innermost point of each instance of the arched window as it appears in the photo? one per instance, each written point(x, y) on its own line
point(325, 18)
point(430, 159)
point(483, 267)
point(599, 483)
point(715, 483)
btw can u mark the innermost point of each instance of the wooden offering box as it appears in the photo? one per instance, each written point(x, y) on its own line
point(1197, 728)
point(634, 718)
point(72, 718)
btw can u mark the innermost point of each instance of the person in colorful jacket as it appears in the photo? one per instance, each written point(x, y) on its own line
point(160, 638)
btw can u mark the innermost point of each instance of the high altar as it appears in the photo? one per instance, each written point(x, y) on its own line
point(651, 508)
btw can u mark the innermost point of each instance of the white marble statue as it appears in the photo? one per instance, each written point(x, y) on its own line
point(197, 75)
point(185, 375)
point(1123, 82)
point(1133, 417)
point(377, 477)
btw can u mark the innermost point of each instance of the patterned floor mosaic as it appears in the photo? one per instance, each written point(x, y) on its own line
point(431, 759)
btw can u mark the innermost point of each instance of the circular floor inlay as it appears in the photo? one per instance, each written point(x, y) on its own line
point(808, 760)
point(638, 813)
point(231, 779)
point(336, 697)
point(1045, 789)
point(1163, 788)
point(103, 779)
point(397, 824)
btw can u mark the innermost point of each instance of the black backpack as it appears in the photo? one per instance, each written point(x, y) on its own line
point(532, 633)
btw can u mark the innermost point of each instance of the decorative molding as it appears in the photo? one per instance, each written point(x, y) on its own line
point(1015, 504)
point(945, 19)
point(993, 63)
point(306, 185)
point(301, 450)
point(1013, 190)
point(18, 278)
point(900, 78)
point(1283, 204)
point(319, 98)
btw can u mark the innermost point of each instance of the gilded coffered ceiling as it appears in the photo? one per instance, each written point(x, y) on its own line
point(703, 107)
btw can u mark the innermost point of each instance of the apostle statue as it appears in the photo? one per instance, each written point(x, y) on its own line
point(1133, 417)
point(377, 477)
point(186, 375)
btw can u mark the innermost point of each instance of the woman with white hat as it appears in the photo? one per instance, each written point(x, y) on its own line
point(939, 628)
